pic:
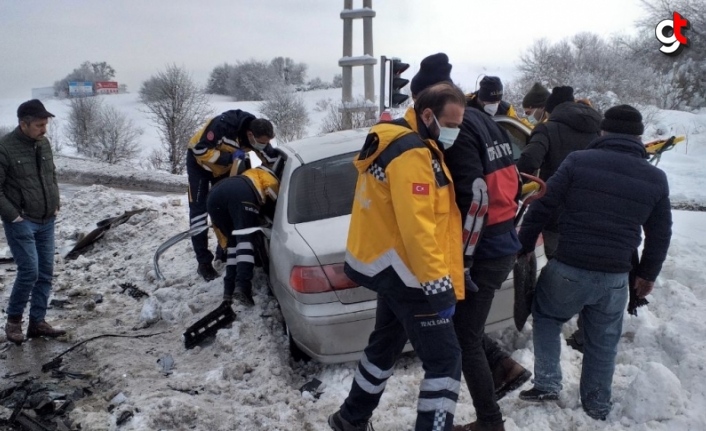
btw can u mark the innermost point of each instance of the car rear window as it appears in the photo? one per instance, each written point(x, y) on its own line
point(322, 189)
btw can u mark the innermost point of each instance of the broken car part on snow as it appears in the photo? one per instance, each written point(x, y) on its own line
point(524, 273)
point(208, 325)
point(96, 234)
point(170, 242)
point(195, 231)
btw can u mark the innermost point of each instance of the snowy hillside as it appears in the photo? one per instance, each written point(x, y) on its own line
point(129, 104)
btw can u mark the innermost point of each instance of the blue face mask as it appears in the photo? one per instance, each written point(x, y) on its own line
point(447, 135)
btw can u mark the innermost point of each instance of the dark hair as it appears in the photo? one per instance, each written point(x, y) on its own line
point(262, 127)
point(438, 96)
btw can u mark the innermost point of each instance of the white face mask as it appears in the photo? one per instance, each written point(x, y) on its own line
point(256, 145)
point(447, 135)
point(531, 118)
point(491, 108)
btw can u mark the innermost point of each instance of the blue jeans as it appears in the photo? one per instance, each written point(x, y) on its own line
point(32, 247)
point(600, 299)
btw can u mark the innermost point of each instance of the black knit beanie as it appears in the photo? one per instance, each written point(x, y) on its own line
point(559, 95)
point(623, 119)
point(433, 69)
point(536, 97)
point(491, 89)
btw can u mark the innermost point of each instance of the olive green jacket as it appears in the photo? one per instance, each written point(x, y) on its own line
point(28, 185)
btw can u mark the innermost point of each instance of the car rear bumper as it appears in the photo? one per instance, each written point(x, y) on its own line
point(335, 332)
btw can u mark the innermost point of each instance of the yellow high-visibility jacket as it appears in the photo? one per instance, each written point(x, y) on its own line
point(214, 144)
point(264, 182)
point(404, 214)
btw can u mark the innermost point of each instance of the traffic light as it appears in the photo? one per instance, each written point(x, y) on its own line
point(397, 82)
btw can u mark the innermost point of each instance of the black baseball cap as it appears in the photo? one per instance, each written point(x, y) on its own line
point(33, 108)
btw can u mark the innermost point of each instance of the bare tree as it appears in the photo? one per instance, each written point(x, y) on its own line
point(333, 121)
point(54, 135)
point(287, 111)
point(116, 138)
point(178, 108)
point(84, 114)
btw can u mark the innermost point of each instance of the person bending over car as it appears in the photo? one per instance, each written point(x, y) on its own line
point(235, 203)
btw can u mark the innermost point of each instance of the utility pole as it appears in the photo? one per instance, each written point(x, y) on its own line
point(367, 60)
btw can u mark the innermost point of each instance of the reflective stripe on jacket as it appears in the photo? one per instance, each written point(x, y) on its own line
point(404, 214)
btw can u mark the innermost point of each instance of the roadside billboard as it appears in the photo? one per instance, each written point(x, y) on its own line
point(80, 88)
point(106, 87)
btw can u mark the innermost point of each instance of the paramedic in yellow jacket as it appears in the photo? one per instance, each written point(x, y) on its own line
point(404, 242)
point(211, 154)
point(235, 203)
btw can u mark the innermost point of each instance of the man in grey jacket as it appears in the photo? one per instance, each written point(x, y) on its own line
point(29, 201)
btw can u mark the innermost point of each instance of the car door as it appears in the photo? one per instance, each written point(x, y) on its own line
point(517, 132)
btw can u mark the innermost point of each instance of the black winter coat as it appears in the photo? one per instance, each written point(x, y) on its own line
point(571, 126)
point(610, 193)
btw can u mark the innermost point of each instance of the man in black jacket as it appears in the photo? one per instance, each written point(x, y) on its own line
point(486, 184)
point(211, 155)
point(610, 193)
point(571, 127)
point(29, 201)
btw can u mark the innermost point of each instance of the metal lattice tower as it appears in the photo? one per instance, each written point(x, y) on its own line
point(367, 60)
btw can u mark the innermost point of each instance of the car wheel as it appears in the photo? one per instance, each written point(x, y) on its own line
point(295, 352)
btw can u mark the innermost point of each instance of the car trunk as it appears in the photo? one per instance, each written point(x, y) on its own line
point(327, 239)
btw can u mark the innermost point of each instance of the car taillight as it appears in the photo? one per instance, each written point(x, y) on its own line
point(338, 279)
point(318, 279)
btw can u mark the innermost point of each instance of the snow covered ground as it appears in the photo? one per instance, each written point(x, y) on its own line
point(245, 379)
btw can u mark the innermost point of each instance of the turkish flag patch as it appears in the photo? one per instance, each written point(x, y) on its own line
point(210, 135)
point(420, 189)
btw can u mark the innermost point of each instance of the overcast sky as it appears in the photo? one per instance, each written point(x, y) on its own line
point(42, 41)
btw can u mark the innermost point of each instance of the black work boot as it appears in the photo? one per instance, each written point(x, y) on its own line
point(337, 423)
point(43, 329)
point(207, 271)
point(243, 295)
point(508, 375)
point(13, 329)
point(538, 395)
point(575, 341)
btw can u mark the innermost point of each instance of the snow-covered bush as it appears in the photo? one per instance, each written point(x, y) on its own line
point(83, 123)
point(178, 108)
point(287, 111)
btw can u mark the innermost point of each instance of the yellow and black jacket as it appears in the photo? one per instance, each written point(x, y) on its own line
point(214, 144)
point(265, 187)
point(404, 216)
point(264, 182)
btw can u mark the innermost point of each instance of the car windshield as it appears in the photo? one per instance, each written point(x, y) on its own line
point(322, 189)
point(518, 138)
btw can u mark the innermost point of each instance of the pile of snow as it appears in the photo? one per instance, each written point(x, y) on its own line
point(246, 380)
